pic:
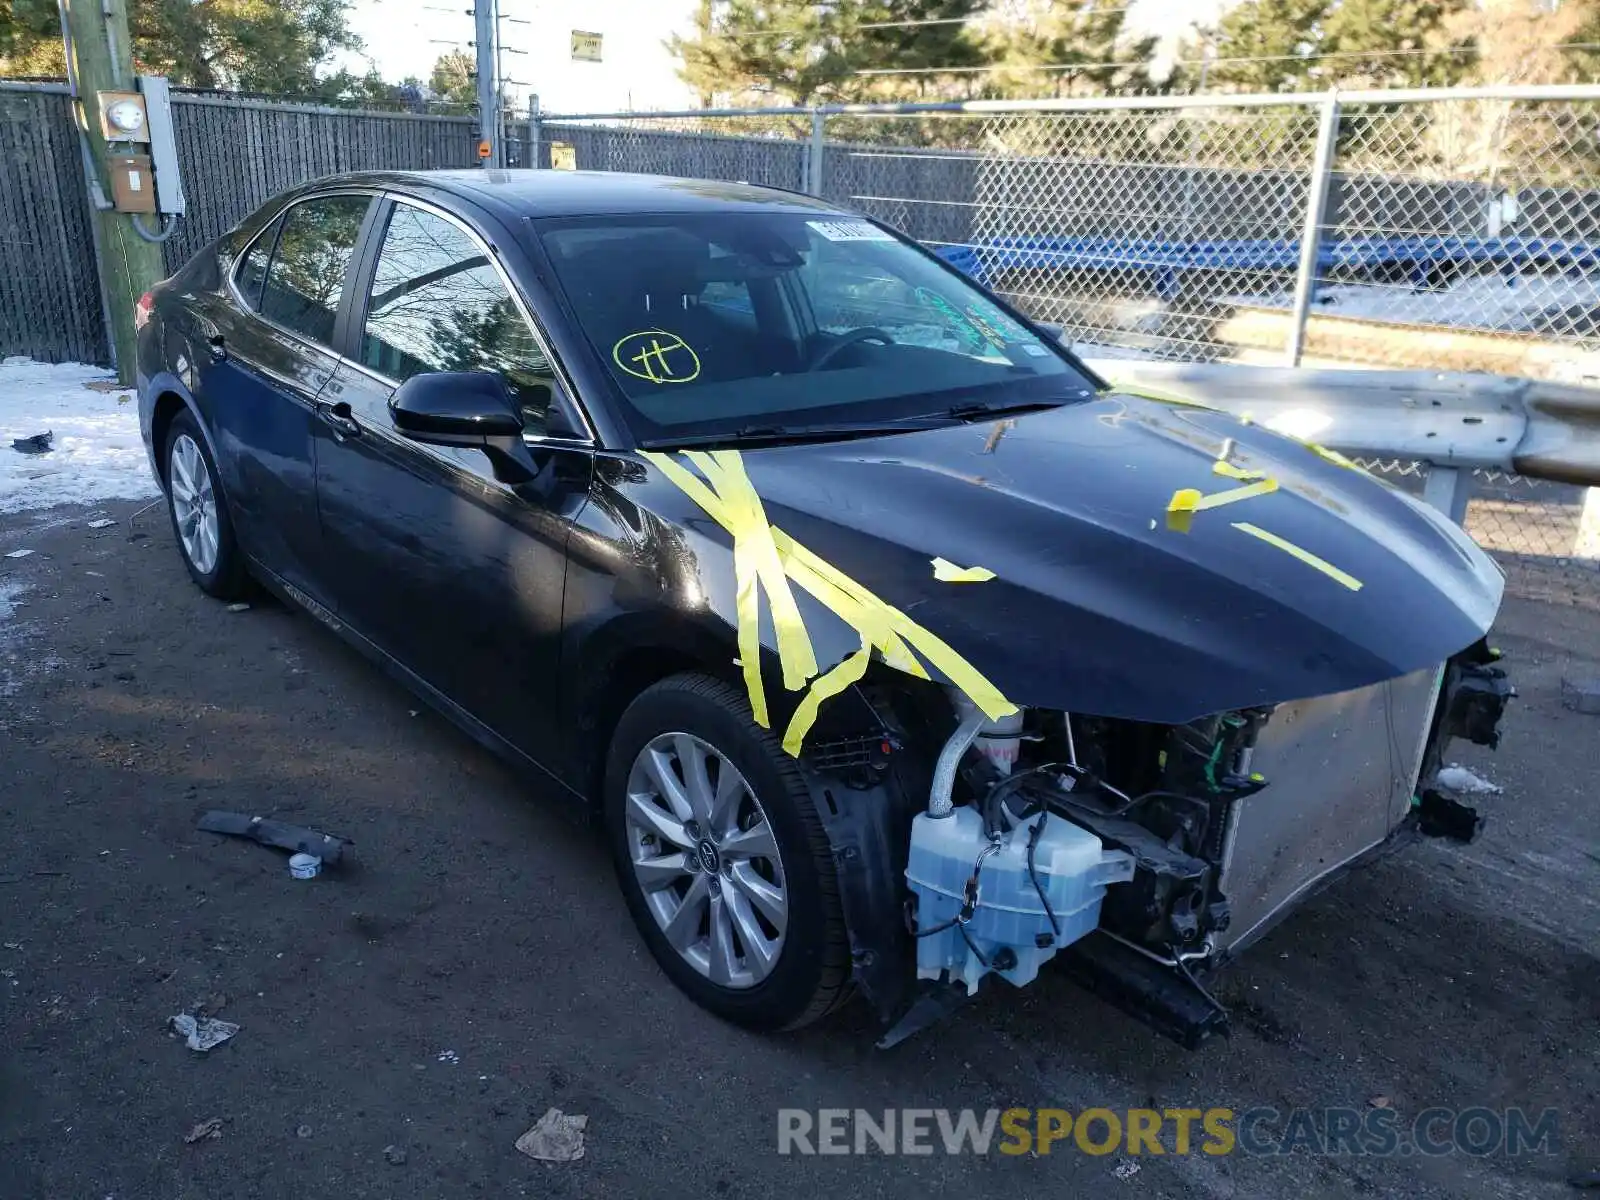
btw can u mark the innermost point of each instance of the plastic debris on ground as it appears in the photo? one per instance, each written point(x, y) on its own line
point(305, 866)
point(1459, 779)
point(449, 1056)
point(203, 1033)
point(19, 554)
point(395, 1155)
point(102, 523)
point(556, 1137)
point(205, 1131)
point(39, 443)
point(297, 839)
point(1125, 1170)
point(240, 607)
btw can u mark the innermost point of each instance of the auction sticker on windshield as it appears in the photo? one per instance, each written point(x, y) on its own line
point(850, 231)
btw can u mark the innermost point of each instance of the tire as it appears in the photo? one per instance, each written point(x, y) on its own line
point(199, 513)
point(761, 981)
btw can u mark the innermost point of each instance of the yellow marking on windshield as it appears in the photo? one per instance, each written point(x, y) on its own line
point(657, 356)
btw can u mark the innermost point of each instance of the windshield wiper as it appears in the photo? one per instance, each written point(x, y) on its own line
point(974, 412)
point(751, 435)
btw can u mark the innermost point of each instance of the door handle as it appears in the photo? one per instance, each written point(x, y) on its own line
point(339, 417)
point(218, 346)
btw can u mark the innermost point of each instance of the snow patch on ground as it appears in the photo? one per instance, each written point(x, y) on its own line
point(98, 452)
point(1460, 779)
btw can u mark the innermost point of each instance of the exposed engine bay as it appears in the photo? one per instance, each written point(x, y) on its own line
point(1142, 856)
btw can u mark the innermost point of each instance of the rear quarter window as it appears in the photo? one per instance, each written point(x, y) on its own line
point(305, 278)
point(250, 274)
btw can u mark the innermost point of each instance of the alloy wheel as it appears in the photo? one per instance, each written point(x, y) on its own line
point(194, 504)
point(705, 858)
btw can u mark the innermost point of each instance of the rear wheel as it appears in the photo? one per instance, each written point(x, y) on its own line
point(722, 858)
point(199, 516)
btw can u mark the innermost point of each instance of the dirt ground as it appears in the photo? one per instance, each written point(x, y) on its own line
point(475, 965)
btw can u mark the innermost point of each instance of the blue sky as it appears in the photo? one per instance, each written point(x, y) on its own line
point(404, 37)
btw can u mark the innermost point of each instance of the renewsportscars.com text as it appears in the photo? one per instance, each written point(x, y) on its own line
point(1376, 1132)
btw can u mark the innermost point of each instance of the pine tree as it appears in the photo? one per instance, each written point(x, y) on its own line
point(1264, 45)
point(924, 38)
point(1032, 41)
point(777, 51)
point(802, 53)
point(1393, 43)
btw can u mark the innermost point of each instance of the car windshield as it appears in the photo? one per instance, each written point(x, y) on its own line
point(717, 324)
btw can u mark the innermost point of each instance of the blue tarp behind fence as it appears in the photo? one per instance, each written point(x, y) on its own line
point(1421, 258)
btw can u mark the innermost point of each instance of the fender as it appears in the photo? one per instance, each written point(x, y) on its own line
point(149, 389)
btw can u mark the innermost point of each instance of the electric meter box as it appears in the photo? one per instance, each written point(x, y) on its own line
point(123, 117)
point(163, 145)
point(133, 187)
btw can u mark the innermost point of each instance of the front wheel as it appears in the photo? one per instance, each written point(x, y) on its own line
point(199, 516)
point(722, 858)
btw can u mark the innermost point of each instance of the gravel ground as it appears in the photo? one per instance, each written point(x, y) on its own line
point(475, 965)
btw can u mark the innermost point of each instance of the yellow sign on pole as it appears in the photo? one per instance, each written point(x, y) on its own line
point(563, 156)
point(585, 46)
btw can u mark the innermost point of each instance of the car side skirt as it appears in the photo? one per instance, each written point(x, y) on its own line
point(414, 683)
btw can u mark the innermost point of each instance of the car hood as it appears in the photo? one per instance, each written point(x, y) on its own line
point(1098, 603)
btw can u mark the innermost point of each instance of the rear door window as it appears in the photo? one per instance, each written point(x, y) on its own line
point(307, 273)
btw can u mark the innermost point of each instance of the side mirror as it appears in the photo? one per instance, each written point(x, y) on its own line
point(471, 409)
point(455, 408)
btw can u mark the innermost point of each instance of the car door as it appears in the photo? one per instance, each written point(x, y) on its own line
point(452, 572)
point(268, 357)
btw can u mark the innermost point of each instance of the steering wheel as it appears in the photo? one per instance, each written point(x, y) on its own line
point(867, 333)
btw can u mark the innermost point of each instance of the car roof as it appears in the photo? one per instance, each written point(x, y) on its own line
point(525, 193)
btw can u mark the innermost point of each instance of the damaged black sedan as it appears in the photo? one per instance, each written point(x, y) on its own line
point(897, 652)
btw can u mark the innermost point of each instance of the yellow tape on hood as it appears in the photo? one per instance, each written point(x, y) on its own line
point(765, 560)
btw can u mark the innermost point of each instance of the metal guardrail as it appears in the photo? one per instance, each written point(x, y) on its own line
point(1454, 422)
point(1445, 418)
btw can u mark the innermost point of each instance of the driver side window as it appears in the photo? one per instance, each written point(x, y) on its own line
point(438, 304)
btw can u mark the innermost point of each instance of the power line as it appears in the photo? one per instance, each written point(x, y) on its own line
point(1254, 58)
point(918, 23)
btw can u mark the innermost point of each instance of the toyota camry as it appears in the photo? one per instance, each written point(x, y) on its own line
point(895, 652)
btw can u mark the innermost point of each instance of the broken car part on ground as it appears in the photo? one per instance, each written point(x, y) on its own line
point(897, 650)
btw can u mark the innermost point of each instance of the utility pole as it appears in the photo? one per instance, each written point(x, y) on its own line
point(487, 44)
point(100, 58)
